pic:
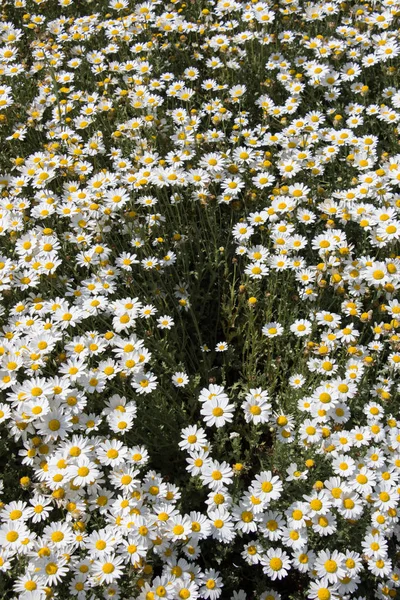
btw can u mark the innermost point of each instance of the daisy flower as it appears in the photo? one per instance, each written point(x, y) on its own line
point(222, 527)
point(322, 591)
point(193, 438)
point(303, 559)
point(276, 563)
point(84, 472)
point(112, 453)
point(216, 475)
point(58, 534)
point(12, 535)
point(124, 479)
point(242, 232)
point(301, 327)
point(180, 379)
point(256, 407)
point(272, 329)
point(107, 569)
point(221, 347)
point(374, 546)
point(201, 527)
point(330, 566)
point(120, 423)
point(217, 412)
point(212, 584)
point(179, 527)
point(256, 270)
point(53, 567)
point(101, 543)
point(325, 524)
point(297, 515)
point(144, 383)
point(297, 381)
point(40, 508)
point(197, 461)
point(184, 587)
point(318, 503)
point(294, 474)
point(382, 567)
point(351, 506)
point(165, 322)
point(267, 486)
point(30, 584)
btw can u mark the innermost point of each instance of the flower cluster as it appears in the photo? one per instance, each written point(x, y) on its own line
point(199, 312)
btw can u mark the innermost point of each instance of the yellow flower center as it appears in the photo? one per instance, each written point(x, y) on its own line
point(108, 568)
point(275, 564)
